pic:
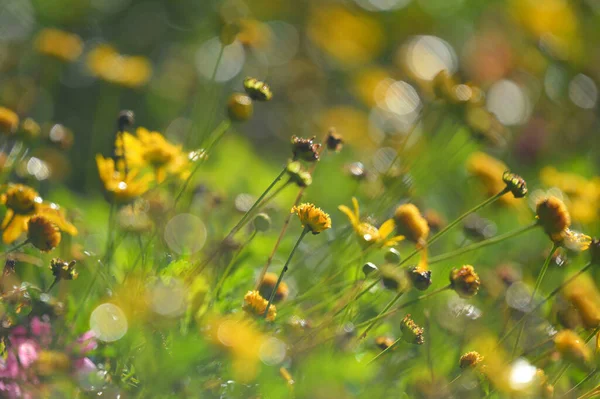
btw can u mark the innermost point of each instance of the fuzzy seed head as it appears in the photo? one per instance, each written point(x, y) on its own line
point(42, 233)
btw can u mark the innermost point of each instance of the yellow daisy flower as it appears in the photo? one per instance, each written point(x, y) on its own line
point(255, 304)
point(22, 204)
point(148, 148)
point(129, 71)
point(312, 217)
point(366, 232)
point(119, 187)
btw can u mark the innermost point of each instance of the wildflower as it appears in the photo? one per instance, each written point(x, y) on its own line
point(421, 279)
point(119, 187)
point(59, 44)
point(129, 71)
point(553, 216)
point(515, 183)
point(490, 172)
point(572, 348)
point(305, 149)
point(239, 107)
point(257, 90)
point(63, 270)
point(266, 288)
point(366, 232)
point(298, 175)
point(411, 332)
point(383, 342)
point(256, 304)
point(583, 295)
point(334, 141)
point(42, 233)
point(262, 222)
point(312, 217)
point(575, 241)
point(464, 281)
point(152, 149)
point(411, 224)
point(9, 121)
point(470, 360)
point(22, 203)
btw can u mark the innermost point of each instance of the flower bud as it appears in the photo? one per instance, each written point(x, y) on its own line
point(553, 216)
point(257, 90)
point(126, 119)
point(411, 224)
point(298, 175)
point(411, 332)
point(464, 281)
point(515, 183)
point(239, 107)
point(266, 288)
point(369, 268)
point(262, 222)
point(421, 279)
point(392, 256)
point(334, 141)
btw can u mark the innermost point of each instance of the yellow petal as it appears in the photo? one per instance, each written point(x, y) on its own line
point(356, 209)
point(7, 218)
point(16, 227)
point(393, 241)
point(386, 228)
point(348, 212)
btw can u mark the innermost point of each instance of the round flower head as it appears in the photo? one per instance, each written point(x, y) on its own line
point(465, 281)
point(262, 222)
point(553, 216)
point(63, 270)
point(9, 121)
point(239, 107)
point(305, 149)
point(255, 304)
point(383, 342)
point(470, 360)
point(411, 332)
point(411, 224)
point(515, 183)
point(268, 283)
point(572, 347)
point(42, 233)
point(257, 90)
point(312, 218)
point(21, 199)
point(421, 279)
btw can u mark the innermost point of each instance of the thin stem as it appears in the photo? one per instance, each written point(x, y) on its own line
point(385, 350)
point(56, 280)
point(535, 290)
point(285, 267)
point(580, 383)
point(230, 266)
point(18, 246)
point(566, 366)
point(385, 309)
point(481, 244)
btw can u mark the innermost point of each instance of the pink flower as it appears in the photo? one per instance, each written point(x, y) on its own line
point(41, 329)
point(9, 368)
point(28, 353)
point(84, 366)
point(10, 390)
point(85, 343)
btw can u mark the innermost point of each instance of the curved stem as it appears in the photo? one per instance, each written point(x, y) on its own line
point(285, 268)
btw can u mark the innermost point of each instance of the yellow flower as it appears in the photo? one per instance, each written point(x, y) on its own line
point(412, 223)
point(152, 149)
point(129, 71)
point(553, 216)
point(312, 217)
point(122, 189)
point(464, 281)
point(583, 294)
point(9, 121)
point(268, 283)
point(22, 203)
point(470, 360)
point(367, 233)
point(572, 348)
point(254, 303)
point(59, 44)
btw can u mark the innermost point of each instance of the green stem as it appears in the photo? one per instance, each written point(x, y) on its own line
point(385, 350)
point(481, 244)
point(56, 280)
point(385, 309)
point(230, 266)
point(538, 283)
point(285, 268)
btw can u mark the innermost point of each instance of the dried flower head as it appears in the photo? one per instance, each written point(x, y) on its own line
point(421, 279)
point(268, 283)
point(254, 303)
point(9, 121)
point(63, 270)
point(334, 141)
point(470, 360)
point(572, 348)
point(553, 216)
point(305, 149)
point(411, 332)
point(297, 174)
point(465, 281)
point(42, 233)
point(515, 183)
point(257, 90)
point(312, 217)
point(411, 224)
point(239, 107)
